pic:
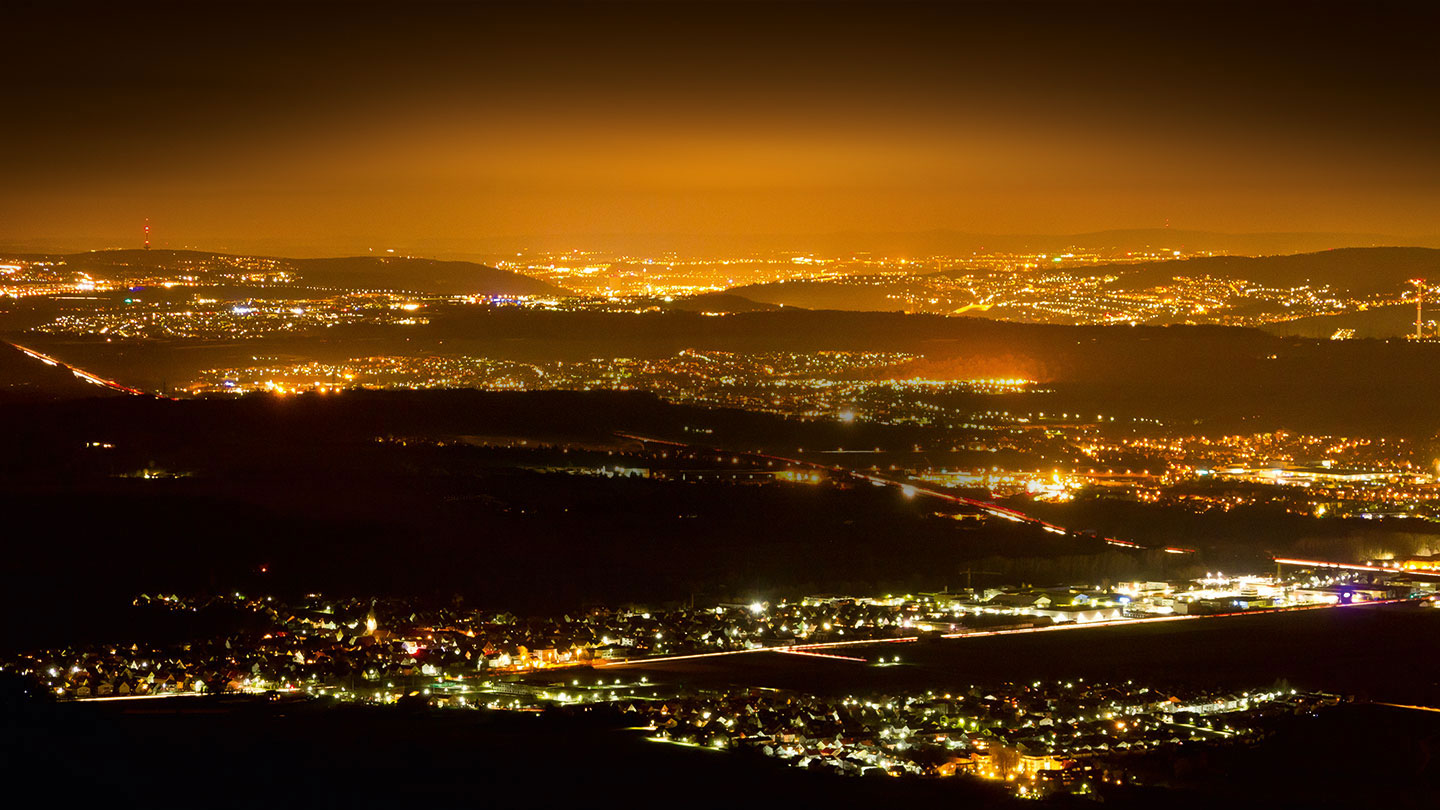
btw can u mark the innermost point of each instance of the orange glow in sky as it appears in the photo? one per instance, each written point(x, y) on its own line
point(298, 125)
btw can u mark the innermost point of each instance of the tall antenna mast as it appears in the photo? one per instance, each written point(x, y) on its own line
point(1419, 307)
point(147, 233)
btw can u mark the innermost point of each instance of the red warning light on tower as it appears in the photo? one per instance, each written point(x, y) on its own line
point(147, 233)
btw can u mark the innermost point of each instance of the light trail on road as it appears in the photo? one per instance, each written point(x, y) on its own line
point(777, 648)
point(1340, 565)
point(910, 490)
point(82, 374)
point(114, 698)
point(824, 655)
point(1409, 707)
point(801, 648)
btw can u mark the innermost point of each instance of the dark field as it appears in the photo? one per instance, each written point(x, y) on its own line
point(294, 495)
point(1384, 653)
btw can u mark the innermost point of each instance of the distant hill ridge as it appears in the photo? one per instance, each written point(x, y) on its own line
point(1361, 271)
point(350, 272)
point(917, 244)
point(947, 242)
point(434, 276)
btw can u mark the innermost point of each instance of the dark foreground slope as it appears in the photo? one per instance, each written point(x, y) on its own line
point(246, 754)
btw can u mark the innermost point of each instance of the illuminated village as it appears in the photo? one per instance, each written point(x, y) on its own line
point(1037, 738)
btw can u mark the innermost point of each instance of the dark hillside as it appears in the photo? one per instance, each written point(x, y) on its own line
point(1360, 270)
point(356, 272)
point(419, 275)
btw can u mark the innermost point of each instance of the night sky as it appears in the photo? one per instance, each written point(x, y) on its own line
point(336, 126)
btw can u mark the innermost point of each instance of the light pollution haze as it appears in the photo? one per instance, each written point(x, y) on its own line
point(344, 125)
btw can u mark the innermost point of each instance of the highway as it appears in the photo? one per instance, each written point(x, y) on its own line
point(813, 649)
point(93, 379)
